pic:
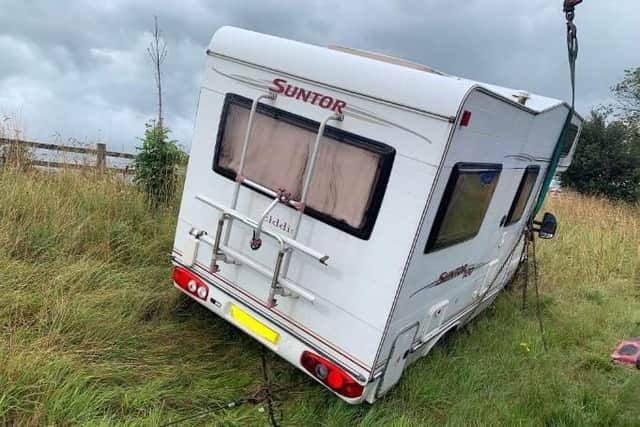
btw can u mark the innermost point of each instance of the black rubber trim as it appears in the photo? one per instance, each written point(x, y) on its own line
point(385, 152)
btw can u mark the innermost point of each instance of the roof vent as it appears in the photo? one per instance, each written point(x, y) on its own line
point(386, 58)
point(522, 96)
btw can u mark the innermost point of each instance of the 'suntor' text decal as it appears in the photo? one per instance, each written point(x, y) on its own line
point(309, 96)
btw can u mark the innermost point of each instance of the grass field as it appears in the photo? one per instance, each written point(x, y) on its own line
point(93, 333)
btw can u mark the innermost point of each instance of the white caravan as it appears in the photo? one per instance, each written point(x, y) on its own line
point(347, 209)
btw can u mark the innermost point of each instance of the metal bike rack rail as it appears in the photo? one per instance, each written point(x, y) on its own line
point(222, 251)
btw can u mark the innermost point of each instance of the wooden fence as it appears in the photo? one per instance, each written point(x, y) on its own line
point(100, 152)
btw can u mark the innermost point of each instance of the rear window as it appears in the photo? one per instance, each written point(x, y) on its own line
point(464, 204)
point(350, 175)
point(522, 195)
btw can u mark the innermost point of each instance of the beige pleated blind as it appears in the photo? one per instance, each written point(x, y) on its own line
point(345, 175)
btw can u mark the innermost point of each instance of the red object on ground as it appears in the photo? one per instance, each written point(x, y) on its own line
point(628, 352)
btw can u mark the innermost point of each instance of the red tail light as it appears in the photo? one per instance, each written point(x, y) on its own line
point(331, 375)
point(190, 282)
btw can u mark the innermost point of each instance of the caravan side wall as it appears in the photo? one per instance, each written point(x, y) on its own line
point(442, 286)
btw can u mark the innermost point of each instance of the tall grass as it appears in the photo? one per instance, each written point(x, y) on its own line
point(13, 153)
point(92, 332)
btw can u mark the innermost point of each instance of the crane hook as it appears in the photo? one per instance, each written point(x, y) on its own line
point(569, 5)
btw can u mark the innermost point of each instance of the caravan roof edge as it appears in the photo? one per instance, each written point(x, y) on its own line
point(432, 114)
point(433, 94)
point(414, 89)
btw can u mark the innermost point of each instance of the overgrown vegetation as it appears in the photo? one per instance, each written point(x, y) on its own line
point(12, 154)
point(607, 160)
point(93, 333)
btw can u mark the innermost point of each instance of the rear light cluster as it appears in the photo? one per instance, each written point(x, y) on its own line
point(190, 282)
point(331, 375)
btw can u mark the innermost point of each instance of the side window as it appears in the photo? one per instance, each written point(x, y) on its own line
point(571, 139)
point(522, 195)
point(464, 204)
point(350, 176)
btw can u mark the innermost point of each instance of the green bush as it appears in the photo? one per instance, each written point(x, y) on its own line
point(156, 165)
point(607, 160)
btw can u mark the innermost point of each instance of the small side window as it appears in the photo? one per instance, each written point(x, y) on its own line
point(464, 204)
point(522, 195)
point(571, 139)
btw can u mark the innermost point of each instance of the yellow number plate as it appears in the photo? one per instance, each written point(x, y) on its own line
point(255, 326)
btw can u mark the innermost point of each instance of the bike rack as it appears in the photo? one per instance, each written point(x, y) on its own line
point(228, 214)
point(286, 244)
point(245, 148)
point(311, 165)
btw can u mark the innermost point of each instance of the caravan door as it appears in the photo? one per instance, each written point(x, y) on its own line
point(497, 135)
point(464, 234)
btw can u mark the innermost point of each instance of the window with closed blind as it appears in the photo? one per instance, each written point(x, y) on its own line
point(522, 195)
point(572, 136)
point(351, 172)
point(464, 204)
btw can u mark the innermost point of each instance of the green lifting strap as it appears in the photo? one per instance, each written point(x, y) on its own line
point(553, 165)
point(572, 47)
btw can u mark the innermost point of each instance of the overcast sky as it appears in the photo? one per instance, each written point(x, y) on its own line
point(79, 69)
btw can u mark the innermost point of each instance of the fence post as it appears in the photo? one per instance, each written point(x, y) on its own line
point(101, 156)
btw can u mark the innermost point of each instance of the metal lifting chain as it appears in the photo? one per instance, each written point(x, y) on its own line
point(529, 256)
point(572, 44)
point(535, 284)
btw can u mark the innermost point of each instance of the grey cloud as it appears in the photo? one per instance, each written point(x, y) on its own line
point(79, 69)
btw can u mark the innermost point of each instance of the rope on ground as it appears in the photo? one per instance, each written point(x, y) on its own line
point(265, 394)
point(266, 374)
point(210, 411)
